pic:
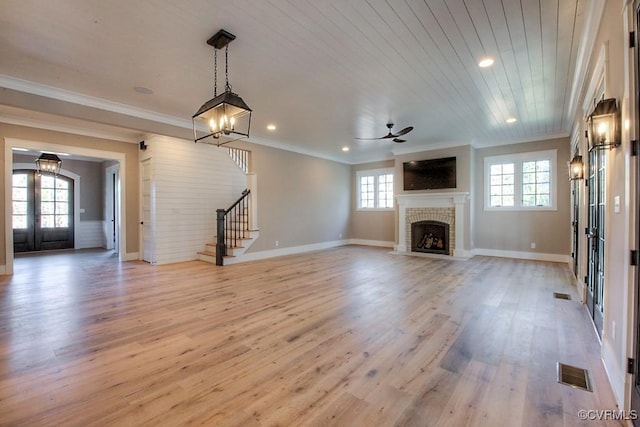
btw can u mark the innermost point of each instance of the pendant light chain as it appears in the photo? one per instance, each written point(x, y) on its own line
point(227, 86)
point(215, 72)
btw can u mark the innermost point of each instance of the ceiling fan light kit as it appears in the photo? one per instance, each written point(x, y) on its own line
point(391, 135)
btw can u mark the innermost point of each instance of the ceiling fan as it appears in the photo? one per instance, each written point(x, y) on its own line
point(391, 135)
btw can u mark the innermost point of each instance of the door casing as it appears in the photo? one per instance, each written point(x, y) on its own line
point(11, 143)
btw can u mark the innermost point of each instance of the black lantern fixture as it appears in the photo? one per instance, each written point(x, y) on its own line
point(576, 168)
point(225, 115)
point(48, 163)
point(604, 125)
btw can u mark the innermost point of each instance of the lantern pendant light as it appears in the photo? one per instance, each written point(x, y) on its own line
point(48, 163)
point(225, 116)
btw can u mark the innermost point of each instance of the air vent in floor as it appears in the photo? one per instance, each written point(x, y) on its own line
point(574, 376)
point(560, 295)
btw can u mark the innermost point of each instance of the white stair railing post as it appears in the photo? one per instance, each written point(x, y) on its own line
point(252, 185)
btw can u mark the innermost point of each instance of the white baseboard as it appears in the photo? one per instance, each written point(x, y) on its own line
point(131, 256)
point(535, 256)
point(580, 289)
point(377, 243)
point(254, 256)
point(615, 374)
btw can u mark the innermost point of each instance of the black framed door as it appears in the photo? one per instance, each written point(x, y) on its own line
point(575, 224)
point(596, 235)
point(635, 392)
point(42, 212)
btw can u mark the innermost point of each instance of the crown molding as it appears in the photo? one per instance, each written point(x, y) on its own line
point(41, 124)
point(90, 101)
point(427, 147)
point(294, 149)
point(488, 144)
point(585, 50)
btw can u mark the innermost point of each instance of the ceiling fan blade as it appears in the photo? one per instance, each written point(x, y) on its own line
point(398, 140)
point(371, 139)
point(404, 131)
point(390, 134)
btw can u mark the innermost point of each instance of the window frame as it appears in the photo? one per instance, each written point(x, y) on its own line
point(518, 159)
point(374, 173)
point(26, 201)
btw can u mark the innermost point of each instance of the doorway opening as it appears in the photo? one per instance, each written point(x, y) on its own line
point(118, 186)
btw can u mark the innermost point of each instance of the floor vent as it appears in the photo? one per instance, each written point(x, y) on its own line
point(574, 377)
point(560, 295)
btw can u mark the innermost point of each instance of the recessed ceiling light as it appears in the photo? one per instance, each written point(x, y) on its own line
point(345, 149)
point(486, 62)
point(512, 120)
point(143, 90)
point(19, 149)
point(271, 127)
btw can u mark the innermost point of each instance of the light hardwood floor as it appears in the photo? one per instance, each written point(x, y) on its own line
point(353, 336)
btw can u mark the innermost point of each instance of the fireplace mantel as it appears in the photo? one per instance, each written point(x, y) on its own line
point(454, 200)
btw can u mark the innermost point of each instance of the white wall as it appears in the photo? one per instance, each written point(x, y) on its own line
point(191, 181)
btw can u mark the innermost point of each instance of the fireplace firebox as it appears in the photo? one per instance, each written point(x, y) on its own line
point(430, 237)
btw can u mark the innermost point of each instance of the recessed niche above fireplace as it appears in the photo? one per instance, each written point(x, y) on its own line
point(429, 174)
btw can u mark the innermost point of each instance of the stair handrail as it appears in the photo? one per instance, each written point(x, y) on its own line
point(227, 233)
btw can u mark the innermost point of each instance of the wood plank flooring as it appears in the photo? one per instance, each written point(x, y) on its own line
point(353, 336)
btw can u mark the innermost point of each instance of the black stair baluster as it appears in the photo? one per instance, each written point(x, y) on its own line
point(228, 221)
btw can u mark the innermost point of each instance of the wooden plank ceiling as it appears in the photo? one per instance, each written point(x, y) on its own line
point(324, 72)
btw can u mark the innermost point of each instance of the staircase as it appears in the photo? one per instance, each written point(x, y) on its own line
point(235, 231)
point(237, 237)
point(233, 253)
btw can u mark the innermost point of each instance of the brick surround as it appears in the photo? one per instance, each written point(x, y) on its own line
point(446, 215)
point(444, 207)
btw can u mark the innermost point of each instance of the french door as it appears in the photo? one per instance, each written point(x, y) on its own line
point(575, 192)
point(635, 392)
point(42, 212)
point(596, 235)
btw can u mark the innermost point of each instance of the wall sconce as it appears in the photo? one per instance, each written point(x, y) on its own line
point(224, 114)
point(604, 125)
point(48, 163)
point(576, 168)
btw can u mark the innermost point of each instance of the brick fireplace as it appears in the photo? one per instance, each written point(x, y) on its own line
point(439, 220)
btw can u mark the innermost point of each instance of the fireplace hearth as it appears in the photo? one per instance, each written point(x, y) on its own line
point(430, 237)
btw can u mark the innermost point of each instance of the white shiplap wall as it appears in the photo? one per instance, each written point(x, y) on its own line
point(90, 234)
point(191, 181)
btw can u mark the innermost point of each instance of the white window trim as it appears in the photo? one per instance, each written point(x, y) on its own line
point(517, 159)
point(375, 173)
